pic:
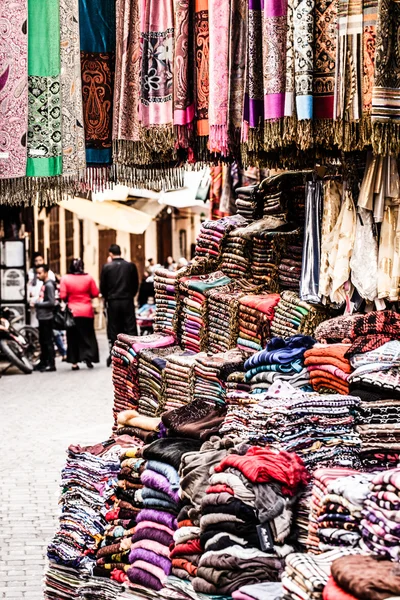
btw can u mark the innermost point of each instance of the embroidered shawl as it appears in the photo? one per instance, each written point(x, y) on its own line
point(183, 73)
point(202, 39)
point(237, 70)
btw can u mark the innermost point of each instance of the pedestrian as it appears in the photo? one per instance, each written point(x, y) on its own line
point(35, 285)
point(170, 264)
point(44, 307)
point(78, 289)
point(119, 285)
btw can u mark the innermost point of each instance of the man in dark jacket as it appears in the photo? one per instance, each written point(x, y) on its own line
point(119, 285)
point(44, 307)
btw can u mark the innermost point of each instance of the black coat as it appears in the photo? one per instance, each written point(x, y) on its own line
point(119, 280)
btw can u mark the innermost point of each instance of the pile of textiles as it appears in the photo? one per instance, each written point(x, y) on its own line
point(319, 428)
point(112, 557)
point(329, 368)
point(61, 583)
point(124, 357)
point(151, 383)
point(213, 234)
point(256, 313)
point(380, 522)
point(194, 308)
point(166, 292)
point(283, 192)
point(186, 550)
point(211, 372)
point(269, 239)
point(289, 268)
point(269, 590)
point(306, 575)
point(337, 499)
point(98, 588)
point(88, 481)
point(281, 360)
point(178, 379)
point(138, 426)
point(236, 255)
point(246, 202)
point(378, 370)
point(236, 383)
point(293, 316)
point(362, 578)
point(198, 420)
point(246, 518)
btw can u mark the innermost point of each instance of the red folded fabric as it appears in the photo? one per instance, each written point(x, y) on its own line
point(333, 592)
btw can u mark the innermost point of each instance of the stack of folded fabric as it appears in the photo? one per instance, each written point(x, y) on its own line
point(88, 481)
point(246, 202)
point(256, 313)
point(337, 499)
point(337, 330)
point(293, 316)
point(151, 383)
point(186, 551)
point(362, 578)
point(212, 236)
point(198, 420)
point(178, 378)
point(140, 427)
point(281, 360)
point(98, 588)
point(380, 523)
point(289, 269)
point(247, 491)
point(124, 356)
point(372, 330)
point(236, 255)
point(329, 368)
point(211, 372)
point(166, 292)
point(269, 590)
point(306, 575)
point(112, 557)
point(194, 308)
point(378, 370)
point(236, 382)
point(223, 317)
point(62, 583)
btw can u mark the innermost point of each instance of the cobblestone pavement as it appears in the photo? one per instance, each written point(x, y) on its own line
point(41, 414)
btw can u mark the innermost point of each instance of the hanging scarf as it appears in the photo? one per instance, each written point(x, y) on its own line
point(13, 90)
point(73, 134)
point(237, 70)
point(183, 69)
point(44, 116)
point(324, 69)
point(290, 110)
point(303, 22)
point(126, 130)
point(385, 95)
point(253, 115)
point(156, 106)
point(97, 34)
point(370, 15)
point(331, 208)
point(274, 33)
point(202, 49)
point(219, 84)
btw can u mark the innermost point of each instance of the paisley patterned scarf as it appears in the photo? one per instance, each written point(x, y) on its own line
point(97, 35)
point(44, 117)
point(183, 70)
point(303, 24)
point(237, 70)
point(253, 114)
point(202, 38)
point(13, 88)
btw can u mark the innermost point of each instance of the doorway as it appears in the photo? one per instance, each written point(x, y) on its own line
point(138, 252)
point(106, 238)
point(164, 236)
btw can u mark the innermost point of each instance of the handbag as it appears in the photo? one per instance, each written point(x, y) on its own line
point(204, 186)
point(63, 319)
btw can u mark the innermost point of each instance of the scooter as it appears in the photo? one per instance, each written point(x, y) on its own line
point(13, 345)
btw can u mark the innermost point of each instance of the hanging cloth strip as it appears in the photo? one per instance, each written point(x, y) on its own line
point(202, 57)
point(44, 119)
point(303, 22)
point(13, 93)
point(237, 70)
point(253, 114)
point(183, 69)
point(386, 90)
point(97, 35)
point(73, 134)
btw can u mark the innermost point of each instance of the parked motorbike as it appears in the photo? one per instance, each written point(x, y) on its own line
point(19, 347)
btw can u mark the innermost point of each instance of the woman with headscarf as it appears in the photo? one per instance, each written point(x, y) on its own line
point(78, 289)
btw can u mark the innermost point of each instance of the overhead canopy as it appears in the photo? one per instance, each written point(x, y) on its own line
point(110, 214)
point(186, 196)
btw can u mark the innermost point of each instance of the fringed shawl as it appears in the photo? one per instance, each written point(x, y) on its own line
point(183, 74)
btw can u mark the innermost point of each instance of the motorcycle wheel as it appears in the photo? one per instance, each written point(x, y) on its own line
point(11, 350)
point(31, 334)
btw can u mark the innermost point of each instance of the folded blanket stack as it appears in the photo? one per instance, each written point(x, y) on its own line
point(256, 313)
point(88, 481)
point(281, 360)
point(193, 300)
point(151, 382)
point(198, 420)
point(378, 370)
point(247, 491)
point(223, 317)
point(329, 368)
point(112, 559)
point(211, 372)
point(186, 551)
point(269, 590)
point(178, 378)
point(212, 236)
point(337, 499)
point(289, 269)
point(236, 255)
point(381, 516)
point(293, 316)
point(124, 356)
point(246, 202)
point(166, 292)
point(306, 575)
point(61, 583)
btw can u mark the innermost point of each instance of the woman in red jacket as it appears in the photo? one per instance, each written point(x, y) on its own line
point(77, 289)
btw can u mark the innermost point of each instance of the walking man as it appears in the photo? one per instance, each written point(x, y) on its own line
point(45, 309)
point(119, 284)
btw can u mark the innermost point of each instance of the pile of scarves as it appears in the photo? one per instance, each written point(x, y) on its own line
point(150, 373)
point(166, 291)
point(178, 379)
point(378, 370)
point(329, 368)
point(380, 526)
point(281, 360)
point(211, 372)
point(246, 202)
point(88, 481)
point(256, 313)
point(289, 268)
point(64, 583)
point(223, 317)
point(236, 254)
point(124, 358)
point(337, 499)
point(198, 420)
point(213, 234)
point(293, 316)
point(194, 308)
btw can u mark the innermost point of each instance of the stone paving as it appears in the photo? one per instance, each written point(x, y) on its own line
point(41, 414)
